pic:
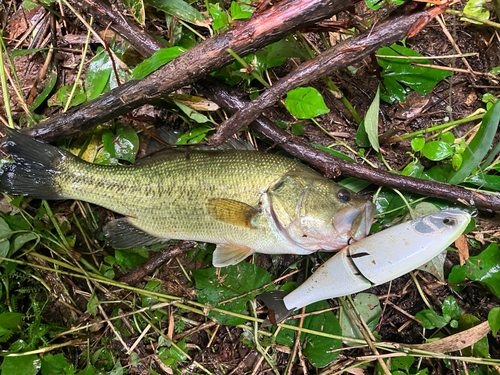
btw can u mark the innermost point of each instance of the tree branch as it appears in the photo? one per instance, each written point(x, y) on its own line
point(333, 166)
point(390, 30)
point(267, 27)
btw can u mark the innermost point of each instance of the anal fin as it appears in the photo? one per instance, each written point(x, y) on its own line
point(122, 234)
point(229, 254)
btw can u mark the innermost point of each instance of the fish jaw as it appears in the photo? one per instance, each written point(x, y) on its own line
point(349, 225)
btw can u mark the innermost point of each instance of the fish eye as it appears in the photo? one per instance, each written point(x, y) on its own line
point(448, 221)
point(344, 195)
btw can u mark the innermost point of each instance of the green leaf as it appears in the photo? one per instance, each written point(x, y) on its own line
point(56, 365)
point(437, 150)
point(318, 349)
point(430, 319)
point(305, 103)
point(333, 152)
point(371, 121)
point(482, 268)
point(130, 258)
point(193, 114)
point(194, 136)
point(402, 363)
point(450, 309)
point(485, 181)
point(240, 10)
point(448, 137)
point(137, 9)
point(20, 240)
point(219, 15)
point(418, 143)
point(28, 51)
point(476, 8)
point(480, 347)
point(25, 365)
point(494, 320)
point(399, 74)
point(362, 139)
point(368, 305)
point(92, 304)
point(479, 146)
point(180, 9)
point(214, 286)
point(5, 231)
point(126, 143)
point(97, 75)
point(108, 142)
point(10, 320)
point(158, 59)
point(51, 82)
point(297, 128)
point(456, 161)
point(62, 95)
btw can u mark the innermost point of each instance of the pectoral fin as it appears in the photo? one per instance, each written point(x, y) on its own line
point(123, 234)
point(232, 212)
point(229, 254)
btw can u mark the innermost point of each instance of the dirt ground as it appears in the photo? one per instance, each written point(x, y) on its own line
point(220, 349)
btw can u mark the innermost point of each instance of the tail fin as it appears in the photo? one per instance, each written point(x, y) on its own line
point(30, 166)
point(277, 309)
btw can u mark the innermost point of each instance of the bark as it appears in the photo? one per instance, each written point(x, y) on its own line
point(334, 166)
point(259, 31)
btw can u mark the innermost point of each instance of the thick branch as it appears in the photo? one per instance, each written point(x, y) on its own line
point(392, 29)
point(333, 166)
point(267, 27)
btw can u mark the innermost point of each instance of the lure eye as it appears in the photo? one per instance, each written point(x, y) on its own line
point(344, 195)
point(448, 221)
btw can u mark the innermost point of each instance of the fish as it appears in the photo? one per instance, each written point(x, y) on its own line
point(374, 260)
point(243, 201)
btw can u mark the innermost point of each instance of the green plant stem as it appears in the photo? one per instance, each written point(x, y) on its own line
point(4, 88)
point(474, 18)
point(420, 291)
point(341, 143)
point(439, 127)
point(247, 67)
point(80, 69)
point(331, 85)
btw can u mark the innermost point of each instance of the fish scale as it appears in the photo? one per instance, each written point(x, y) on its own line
point(243, 201)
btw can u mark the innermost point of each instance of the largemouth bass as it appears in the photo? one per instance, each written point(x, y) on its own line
point(243, 201)
point(372, 261)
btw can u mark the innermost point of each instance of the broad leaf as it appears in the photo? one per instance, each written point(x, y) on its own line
point(305, 103)
point(482, 268)
point(479, 146)
point(180, 9)
point(216, 285)
point(494, 320)
point(437, 150)
point(158, 59)
point(399, 74)
point(371, 121)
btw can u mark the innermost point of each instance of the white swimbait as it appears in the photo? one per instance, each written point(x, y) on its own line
point(372, 261)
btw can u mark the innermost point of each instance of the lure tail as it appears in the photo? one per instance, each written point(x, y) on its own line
point(276, 306)
point(30, 166)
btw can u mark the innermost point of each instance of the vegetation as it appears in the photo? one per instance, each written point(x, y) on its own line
point(66, 308)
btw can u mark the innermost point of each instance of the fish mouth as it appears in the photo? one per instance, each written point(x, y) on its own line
point(353, 224)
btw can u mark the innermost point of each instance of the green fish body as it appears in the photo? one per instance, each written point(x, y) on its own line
point(243, 201)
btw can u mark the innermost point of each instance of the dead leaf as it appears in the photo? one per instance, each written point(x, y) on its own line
point(463, 249)
point(457, 341)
